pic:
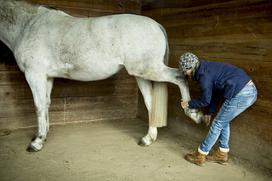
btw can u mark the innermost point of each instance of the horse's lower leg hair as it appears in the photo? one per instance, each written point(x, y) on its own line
point(37, 83)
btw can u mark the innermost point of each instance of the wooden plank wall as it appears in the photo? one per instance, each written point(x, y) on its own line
point(93, 7)
point(72, 101)
point(233, 31)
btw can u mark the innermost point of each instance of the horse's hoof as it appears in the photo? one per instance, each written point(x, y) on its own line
point(35, 146)
point(31, 149)
point(145, 141)
point(142, 142)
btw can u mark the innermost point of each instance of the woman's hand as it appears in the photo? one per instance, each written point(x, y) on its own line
point(207, 119)
point(184, 104)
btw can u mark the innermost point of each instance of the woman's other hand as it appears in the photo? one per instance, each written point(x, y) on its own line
point(184, 104)
point(206, 119)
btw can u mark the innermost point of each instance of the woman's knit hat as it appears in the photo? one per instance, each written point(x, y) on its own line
point(188, 61)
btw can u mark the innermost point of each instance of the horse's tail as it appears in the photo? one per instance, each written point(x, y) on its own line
point(160, 95)
point(166, 55)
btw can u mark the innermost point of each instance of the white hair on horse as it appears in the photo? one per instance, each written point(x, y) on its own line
point(50, 44)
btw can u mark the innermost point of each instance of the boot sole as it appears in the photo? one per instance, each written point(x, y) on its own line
point(192, 161)
point(225, 163)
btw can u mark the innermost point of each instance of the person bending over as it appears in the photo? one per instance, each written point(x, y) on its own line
point(215, 79)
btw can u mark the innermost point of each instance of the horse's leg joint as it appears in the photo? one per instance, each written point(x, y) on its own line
point(150, 137)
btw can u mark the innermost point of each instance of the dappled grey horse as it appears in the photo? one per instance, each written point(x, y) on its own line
point(50, 44)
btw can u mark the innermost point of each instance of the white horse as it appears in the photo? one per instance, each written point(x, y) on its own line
point(50, 44)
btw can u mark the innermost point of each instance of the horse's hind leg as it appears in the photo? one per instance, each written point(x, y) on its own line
point(145, 87)
point(38, 85)
point(166, 74)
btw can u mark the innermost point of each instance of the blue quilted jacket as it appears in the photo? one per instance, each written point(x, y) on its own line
point(215, 79)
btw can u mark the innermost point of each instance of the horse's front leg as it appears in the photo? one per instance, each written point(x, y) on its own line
point(38, 85)
point(194, 114)
point(175, 78)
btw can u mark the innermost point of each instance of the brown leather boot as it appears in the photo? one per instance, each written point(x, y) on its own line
point(196, 158)
point(218, 157)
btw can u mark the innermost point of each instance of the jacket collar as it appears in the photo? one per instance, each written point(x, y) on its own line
point(199, 70)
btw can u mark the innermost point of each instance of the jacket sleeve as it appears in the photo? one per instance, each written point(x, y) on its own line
point(212, 106)
point(204, 100)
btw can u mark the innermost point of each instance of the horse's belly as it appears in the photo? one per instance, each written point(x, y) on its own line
point(89, 76)
point(83, 73)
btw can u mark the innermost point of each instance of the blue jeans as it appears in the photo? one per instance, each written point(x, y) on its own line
point(220, 127)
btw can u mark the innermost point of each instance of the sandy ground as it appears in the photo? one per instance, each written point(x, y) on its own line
point(108, 150)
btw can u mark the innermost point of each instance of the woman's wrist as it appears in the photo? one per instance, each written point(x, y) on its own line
point(184, 104)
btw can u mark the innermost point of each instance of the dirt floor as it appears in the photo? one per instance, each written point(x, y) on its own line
point(108, 150)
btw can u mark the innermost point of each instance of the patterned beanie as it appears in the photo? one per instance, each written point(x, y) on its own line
point(188, 61)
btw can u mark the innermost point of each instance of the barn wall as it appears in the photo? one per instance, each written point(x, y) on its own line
point(72, 101)
point(233, 31)
point(93, 8)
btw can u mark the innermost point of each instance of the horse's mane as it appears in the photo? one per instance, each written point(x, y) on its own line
point(19, 4)
point(10, 10)
point(27, 6)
